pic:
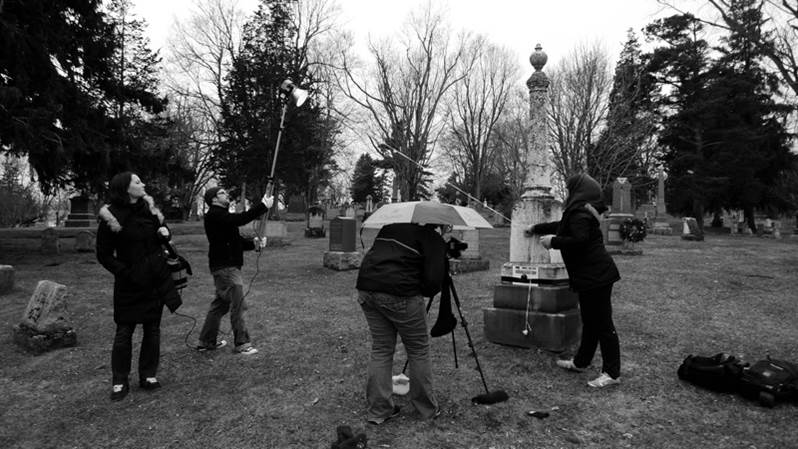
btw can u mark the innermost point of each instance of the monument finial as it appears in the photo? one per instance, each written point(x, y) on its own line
point(539, 58)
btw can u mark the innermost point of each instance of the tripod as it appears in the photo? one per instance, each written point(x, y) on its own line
point(489, 397)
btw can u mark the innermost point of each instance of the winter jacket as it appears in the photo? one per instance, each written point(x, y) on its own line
point(225, 245)
point(579, 238)
point(406, 259)
point(128, 245)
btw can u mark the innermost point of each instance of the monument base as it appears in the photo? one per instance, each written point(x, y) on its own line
point(315, 232)
point(342, 261)
point(40, 342)
point(538, 298)
point(469, 265)
point(626, 249)
point(693, 237)
point(554, 332)
point(535, 273)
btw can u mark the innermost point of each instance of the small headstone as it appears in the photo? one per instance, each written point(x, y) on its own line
point(6, 278)
point(343, 234)
point(50, 243)
point(85, 242)
point(690, 229)
point(45, 324)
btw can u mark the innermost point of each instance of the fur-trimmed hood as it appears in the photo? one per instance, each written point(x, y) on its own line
point(107, 216)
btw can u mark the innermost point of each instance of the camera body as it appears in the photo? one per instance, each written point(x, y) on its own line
point(455, 248)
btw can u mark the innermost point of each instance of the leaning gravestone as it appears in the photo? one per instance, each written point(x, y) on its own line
point(6, 278)
point(45, 324)
point(50, 243)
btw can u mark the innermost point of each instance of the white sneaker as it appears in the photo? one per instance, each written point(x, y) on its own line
point(247, 351)
point(604, 380)
point(569, 366)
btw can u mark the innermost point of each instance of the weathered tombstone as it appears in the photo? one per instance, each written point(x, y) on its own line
point(6, 278)
point(85, 241)
point(343, 237)
point(621, 211)
point(50, 242)
point(316, 219)
point(533, 268)
point(691, 230)
point(45, 324)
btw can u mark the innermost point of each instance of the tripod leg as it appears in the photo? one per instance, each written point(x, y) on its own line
point(468, 334)
point(454, 351)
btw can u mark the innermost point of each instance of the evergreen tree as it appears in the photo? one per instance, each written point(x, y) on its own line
point(751, 149)
point(252, 107)
point(55, 67)
point(365, 180)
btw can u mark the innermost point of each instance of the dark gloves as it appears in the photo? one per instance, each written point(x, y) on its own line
point(347, 440)
point(530, 232)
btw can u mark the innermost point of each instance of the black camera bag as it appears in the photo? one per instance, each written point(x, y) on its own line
point(720, 372)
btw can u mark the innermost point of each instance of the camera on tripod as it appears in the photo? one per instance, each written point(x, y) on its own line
point(455, 248)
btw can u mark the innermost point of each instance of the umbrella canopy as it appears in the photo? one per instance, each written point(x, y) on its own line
point(426, 212)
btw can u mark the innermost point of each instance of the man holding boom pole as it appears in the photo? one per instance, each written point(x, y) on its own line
point(226, 256)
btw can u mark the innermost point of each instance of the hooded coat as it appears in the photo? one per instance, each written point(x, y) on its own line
point(579, 238)
point(129, 247)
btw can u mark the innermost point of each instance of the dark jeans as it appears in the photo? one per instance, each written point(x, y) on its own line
point(122, 351)
point(598, 330)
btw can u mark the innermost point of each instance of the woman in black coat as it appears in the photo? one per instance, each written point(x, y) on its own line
point(591, 271)
point(129, 245)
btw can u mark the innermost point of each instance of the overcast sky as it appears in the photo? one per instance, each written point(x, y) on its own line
point(558, 25)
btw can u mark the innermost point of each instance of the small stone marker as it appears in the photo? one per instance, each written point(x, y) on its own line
point(690, 230)
point(50, 243)
point(45, 324)
point(85, 242)
point(342, 254)
point(6, 278)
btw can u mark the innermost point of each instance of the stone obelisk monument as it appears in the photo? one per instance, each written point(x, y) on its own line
point(533, 306)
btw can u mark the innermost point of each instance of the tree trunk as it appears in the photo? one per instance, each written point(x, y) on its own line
point(749, 218)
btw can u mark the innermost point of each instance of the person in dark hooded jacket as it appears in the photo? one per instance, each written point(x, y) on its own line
point(129, 245)
point(591, 271)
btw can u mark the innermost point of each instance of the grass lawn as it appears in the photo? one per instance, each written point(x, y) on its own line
point(733, 294)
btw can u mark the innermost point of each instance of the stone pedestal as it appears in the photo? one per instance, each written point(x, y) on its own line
point(554, 332)
point(81, 213)
point(41, 342)
point(342, 260)
point(6, 278)
point(468, 265)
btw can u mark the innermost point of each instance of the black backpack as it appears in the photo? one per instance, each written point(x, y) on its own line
point(720, 372)
point(769, 381)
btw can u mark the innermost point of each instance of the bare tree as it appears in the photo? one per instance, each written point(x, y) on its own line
point(474, 108)
point(201, 51)
point(511, 140)
point(578, 92)
point(403, 92)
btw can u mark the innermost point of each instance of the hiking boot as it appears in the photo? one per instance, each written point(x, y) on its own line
point(150, 383)
point(246, 350)
point(219, 344)
point(604, 380)
point(378, 421)
point(119, 391)
point(568, 365)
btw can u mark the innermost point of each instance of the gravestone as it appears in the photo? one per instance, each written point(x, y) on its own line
point(45, 324)
point(470, 259)
point(50, 244)
point(661, 224)
point(343, 237)
point(621, 210)
point(691, 230)
point(81, 213)
point(85, 242)
point(533, 268)
point(316, 220)
point(6, 278)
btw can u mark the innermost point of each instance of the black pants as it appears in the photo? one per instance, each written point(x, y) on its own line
point(598, 329)
point(122, 351)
